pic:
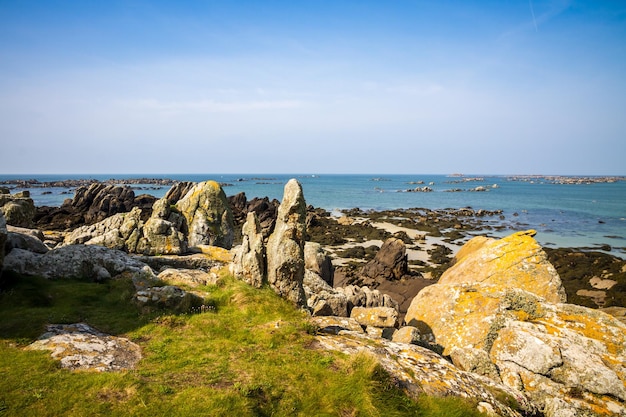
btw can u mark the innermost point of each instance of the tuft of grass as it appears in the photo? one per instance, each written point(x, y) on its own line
point(249, 355)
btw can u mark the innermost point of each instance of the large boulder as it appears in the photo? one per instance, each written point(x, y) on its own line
point(209, 220)
point(19, 209)
point(516, 260)
point(81, 262)
point(249, 258)
point(285, 246)
point(390, 262)
point(318, 261)
point(499, 312)
point(120, 231)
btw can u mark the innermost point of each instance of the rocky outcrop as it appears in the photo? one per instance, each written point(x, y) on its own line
point(285, 246)
point(19, 209)
point(92, 204)
point(187, 277)
point(178, 191)
point(80, 262)
point(200, 218)
point(209, 220)
point(25, 240)
point(249, 262)
point(317, 260)
point(420, 371)
point(498, 312)
point(81, 347)
point(3, 239)
point(390, 262)
point(265, 210)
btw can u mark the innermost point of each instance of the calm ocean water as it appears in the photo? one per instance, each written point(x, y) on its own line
point(565, 215)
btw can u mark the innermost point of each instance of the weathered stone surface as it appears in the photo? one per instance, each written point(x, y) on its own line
point(322, 299)
point(209, 220)
point(568, 359)
point(168, 297)
point(18, 209)
point(390, 262)
point(25, 241)
point(188, 277)
point(420, 371)
point(93, 263)
point(375, 316)
point(81, 347)
point(285, 247)
point(3, 239)
point(204, 261)
point(120, 231)
point(178, 191)
point(514, 261)
point(335, 325)
point(317, 260)
point(249, 257)
point(161, 233)
point(366, 297)
point(407, 334)
point(265, 210)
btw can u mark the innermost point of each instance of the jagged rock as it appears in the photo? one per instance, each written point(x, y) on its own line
point(335, 325)
point(3, 239)
point(420, 371)
point(19, 209)
point(120, 231)
point(375, 316)
point(189, 277)
point(390, 262)
point(501, 317)
point(209, 220)
point(249, 258)
point(318, 261)
point(93, 263)
point(322, 299)
point(25, 241)
point(265, 210)
point(81, 347)
point(161, 233)
point(285, 246)
point(366, 297)
point(178, 191)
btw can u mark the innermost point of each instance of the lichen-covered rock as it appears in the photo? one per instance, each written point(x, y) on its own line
point(335, 325)
point(366, 297)
point(81, 347)
point(285, 246)
point(168, 297)
point(322, 299)
point(514, 261)
point(120, 231)
point(81, 262)
point(420, 371)
point(375, 316)
point(505, 324)
point(161, 233)
point(19, 209)
point(390, 262)
point(249, 257)
point(188, 277)
point(209, 220)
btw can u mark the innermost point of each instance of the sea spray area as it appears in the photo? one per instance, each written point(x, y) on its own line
point(567, 211)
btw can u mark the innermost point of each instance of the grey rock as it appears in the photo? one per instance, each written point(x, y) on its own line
point(188, 277)
point(209, 220)
point(161, 233)
point(19, 209)
point(285, 246)
point(249, 262)
point(79, 262)
point(3, 239)
point(375, 316)
point(317, 260)
point(81, 347)
point(24, 241)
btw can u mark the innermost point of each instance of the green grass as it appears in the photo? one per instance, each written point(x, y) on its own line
point(252, 355)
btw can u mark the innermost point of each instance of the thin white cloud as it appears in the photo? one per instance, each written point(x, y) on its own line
point(211, 106)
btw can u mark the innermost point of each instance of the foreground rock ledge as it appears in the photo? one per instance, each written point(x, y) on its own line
point(81, 347)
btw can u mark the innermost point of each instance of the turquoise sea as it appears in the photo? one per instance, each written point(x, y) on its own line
point(565, 215)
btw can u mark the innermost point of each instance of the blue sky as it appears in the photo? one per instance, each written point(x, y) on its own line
point(484, 87)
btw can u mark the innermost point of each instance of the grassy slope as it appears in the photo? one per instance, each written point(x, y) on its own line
point(252, 355)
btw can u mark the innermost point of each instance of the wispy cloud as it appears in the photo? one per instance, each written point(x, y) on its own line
point(211, 106)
